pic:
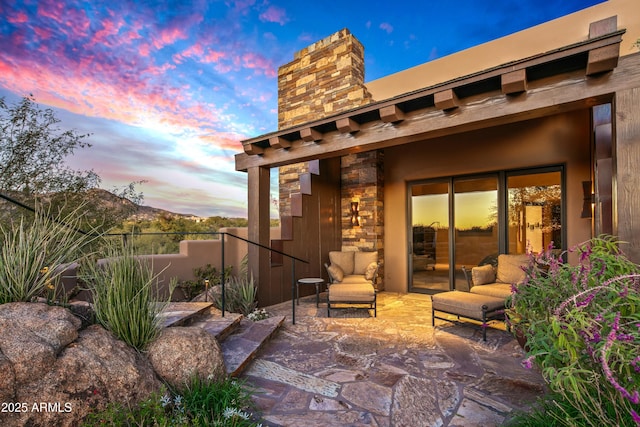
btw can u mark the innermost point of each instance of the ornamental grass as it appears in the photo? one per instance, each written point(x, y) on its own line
point(35, 251)
point(124, 293)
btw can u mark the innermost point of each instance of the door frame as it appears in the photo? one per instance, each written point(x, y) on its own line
point(502, 219)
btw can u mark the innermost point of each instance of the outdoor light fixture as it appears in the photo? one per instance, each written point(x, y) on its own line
point(355, 220)
point(588, 201)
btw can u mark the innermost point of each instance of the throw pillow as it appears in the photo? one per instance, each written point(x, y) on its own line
point(370, 270)
point(510, 268)
point(344, 260)
point(483, 274)
point(336, 273)
point(362, 260)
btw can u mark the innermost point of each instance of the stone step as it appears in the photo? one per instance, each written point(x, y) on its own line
point(242, 346)
point(180, 313)
point(220, 327)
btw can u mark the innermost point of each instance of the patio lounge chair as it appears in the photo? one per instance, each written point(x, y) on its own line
point(352, 276)
point(497, 281)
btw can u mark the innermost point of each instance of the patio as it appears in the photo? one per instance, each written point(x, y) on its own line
point(393, 370)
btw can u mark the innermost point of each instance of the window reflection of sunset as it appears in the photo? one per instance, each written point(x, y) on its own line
point(474, 209)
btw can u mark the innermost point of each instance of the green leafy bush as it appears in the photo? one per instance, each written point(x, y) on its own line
point(583, 330)
point(200, 403)
point(124, 300)
point(34, 254)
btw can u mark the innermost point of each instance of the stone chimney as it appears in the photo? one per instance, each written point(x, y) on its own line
point(325, 78)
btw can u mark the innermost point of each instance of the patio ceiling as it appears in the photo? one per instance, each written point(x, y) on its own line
point(532, 87)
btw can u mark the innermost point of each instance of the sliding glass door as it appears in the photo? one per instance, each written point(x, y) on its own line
point(467, 221)
point(429, 261)
point(476, 223)
point(534, 211)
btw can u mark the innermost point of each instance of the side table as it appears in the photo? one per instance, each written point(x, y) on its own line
point(317, 281)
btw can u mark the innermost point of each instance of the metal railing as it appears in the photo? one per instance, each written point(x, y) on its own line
point(124, 237)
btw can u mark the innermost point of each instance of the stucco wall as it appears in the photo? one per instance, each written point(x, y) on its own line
point(561, 139)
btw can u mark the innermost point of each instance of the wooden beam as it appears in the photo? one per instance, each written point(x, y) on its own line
point(544, 58)
point(279, 142)
point(446, 100)
point(603, 27)
point(296, 204)
point(314, 167)
point(391, 114)
point(253, 149)
point(603, 59)
point(347, 125)
point(310, 134)
point(514, 82)
point(626, 196)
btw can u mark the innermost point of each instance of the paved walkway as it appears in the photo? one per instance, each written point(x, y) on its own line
point(393, 370)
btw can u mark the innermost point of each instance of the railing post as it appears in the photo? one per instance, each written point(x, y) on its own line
point(293, 291)
point(223, 279)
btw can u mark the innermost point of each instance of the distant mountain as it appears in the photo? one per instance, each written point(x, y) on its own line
point(113, 203)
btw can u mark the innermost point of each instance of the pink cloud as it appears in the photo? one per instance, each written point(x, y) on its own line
point(18, 18)
point(197, 53)
point(169, 36)
point(385, 26)
point(274, 14)
point(213, 56)
point(256, 61)
point(71, 21)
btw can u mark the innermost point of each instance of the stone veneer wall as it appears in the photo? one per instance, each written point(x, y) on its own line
point(362, 177)
point(327, 78)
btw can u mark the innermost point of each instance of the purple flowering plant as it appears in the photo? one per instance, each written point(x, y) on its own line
point(582, 326)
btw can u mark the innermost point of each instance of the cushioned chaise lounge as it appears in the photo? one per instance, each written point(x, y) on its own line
point(464, 304)
point(489, 287)
point(352, 276)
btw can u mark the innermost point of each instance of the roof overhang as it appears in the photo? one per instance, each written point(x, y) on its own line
point(509, 90)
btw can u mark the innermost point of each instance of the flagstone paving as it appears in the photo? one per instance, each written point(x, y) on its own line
point(394, 370)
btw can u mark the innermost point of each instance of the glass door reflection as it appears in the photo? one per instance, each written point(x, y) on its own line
point(476, 223)
point(429, 262)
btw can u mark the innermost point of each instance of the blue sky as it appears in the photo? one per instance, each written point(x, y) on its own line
point(169, 89)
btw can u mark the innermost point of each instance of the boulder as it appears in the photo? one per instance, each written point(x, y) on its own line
point(180, 353)
point(59, 374)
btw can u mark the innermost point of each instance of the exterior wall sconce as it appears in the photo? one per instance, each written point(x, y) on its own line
point(588, 201)
point(355, 219)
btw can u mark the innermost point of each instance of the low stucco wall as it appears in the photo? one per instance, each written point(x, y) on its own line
point(192, 254)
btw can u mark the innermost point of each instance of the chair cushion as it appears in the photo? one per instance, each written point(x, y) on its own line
point(362, 260)
point(354, 279)
point(510, 268)
point(344, 260)
point(336, 273)
point(370, 270)
point(483, 275)
point(363, 292)
point(465, 304)
point(498, 290)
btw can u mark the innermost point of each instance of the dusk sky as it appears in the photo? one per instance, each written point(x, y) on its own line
point(169, 89)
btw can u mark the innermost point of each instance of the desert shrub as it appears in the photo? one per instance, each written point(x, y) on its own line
point(192, 288)
point(239, 292)
point(123, 293)
point(200, 403)
point(585, 333)
point(34, 253)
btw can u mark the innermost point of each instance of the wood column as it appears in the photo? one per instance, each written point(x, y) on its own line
point(627, 159)
point(259, 223)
